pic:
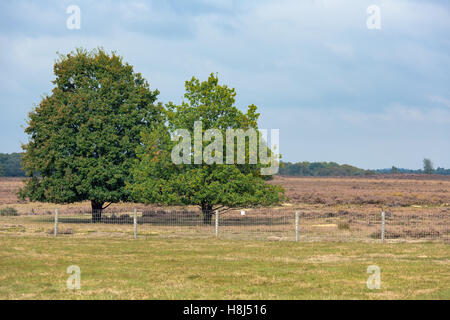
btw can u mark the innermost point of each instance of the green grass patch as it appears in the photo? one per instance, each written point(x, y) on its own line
point(33, 267)
point(8, 211)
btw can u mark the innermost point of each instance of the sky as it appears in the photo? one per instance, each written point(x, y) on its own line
point(336, 89)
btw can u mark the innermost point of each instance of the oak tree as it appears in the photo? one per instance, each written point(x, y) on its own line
point(210, 186)
point(83, 136)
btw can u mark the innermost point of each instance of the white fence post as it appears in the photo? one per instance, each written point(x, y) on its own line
point(296, 226)
point(217, 223)
point(55, 230)
point(135, 224)
point(383, 225)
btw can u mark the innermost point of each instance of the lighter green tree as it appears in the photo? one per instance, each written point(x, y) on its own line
point(209, 186)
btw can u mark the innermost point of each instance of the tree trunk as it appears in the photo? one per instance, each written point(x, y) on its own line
point(207, 213)
point(97, 208)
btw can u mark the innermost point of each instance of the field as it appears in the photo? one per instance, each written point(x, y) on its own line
point(35, 268)
point(393, 191)
point(383, 190)
point(33, 264)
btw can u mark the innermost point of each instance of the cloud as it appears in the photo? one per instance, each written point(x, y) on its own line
point(440, 100)
point(396, 135)
point(311, 59)
point(341, 49)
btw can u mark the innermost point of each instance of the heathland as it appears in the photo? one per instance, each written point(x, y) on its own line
point(33, 265)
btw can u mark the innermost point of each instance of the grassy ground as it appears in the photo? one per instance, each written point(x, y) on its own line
point(34, 267)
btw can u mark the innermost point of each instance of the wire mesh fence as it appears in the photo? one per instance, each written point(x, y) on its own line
point(260, 225)
point(256, 224)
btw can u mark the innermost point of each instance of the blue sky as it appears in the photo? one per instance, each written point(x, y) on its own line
point(336, 90)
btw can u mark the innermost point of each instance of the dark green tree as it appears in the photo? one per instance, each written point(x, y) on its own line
point(157, 179)
point(11, 164)
point(428, 166)
point(83, 136)
point(320, 169)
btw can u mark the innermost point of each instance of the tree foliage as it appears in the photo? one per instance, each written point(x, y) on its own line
point(210, 186)
point(10, 165)
point(320, 169)
point(83, 136)
point(428, 166)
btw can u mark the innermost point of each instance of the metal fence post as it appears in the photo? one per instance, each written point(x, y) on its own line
point(55, 230)
point(135, 223)
point(296, 226)
point(217, 223)
point(383, 225)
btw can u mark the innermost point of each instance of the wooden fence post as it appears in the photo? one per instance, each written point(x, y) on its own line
point(55, 230)
point(217, 223)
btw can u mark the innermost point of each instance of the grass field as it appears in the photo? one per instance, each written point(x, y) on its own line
point(35, 268)
point(33, 264)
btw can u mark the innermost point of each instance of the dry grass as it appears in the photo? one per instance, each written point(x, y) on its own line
point(168, 262)
point(330, 208)
point(35, 268)
point(398, 190)
point(392, 191)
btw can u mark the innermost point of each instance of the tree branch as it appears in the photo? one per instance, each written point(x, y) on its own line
point(107, 206)
point(228, 209)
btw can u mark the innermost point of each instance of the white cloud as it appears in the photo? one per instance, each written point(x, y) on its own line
point(315, 55)
point(440, 100)
point(340, 49)
point(371, 140)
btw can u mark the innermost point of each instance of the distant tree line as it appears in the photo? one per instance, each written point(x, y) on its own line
point(442, 171)
point(320, 169)
point(428, 168)
point(395, 170)
point(323, 169)
point(10, 165)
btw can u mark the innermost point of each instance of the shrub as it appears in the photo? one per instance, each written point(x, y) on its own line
point(343, 225)
point(61, 231)
point(8, 212)
point(387, 235)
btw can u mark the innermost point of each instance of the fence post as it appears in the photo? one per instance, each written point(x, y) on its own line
point(55, 230)
point(217, 223)
point(296, 226)
point(383, 225)
point(135, 224)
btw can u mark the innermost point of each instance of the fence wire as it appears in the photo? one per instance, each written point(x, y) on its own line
point(256, 224)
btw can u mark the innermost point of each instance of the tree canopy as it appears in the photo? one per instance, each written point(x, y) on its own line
point(83, 136)
point(157, 179)
point(428, 166)
point(10, 165)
